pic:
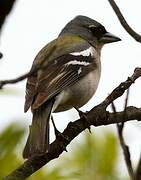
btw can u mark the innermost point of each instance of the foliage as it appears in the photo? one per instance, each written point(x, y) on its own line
point(93, 157)
point(9, 140)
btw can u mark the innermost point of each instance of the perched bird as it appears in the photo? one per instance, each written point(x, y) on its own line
point(69, 78)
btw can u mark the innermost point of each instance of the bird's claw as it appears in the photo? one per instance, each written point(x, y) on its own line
point(59, 134)
point(83, 115)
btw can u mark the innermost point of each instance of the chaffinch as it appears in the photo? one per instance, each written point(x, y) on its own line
point(69, 79)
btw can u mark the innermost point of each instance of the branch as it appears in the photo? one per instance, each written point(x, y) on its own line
point(1, 55)
point(123, 22)
point(125, 148)
point(5, 8)
point(126, 152)
point(138, 171)
point(98, 116)
point(117, 92)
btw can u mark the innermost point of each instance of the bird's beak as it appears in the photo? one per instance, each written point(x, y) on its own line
point(109, 38)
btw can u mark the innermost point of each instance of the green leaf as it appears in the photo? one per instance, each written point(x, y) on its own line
point(9, 139)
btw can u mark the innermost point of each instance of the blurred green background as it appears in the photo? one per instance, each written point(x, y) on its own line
point(93, 157)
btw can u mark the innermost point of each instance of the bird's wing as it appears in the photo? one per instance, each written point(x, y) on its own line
point(71, 60)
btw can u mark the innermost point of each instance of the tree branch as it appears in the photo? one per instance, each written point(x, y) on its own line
point(5, 8)
point(98, 116)
point(117, 92)
point(123, 22)
point(138, 170)
point(125, 148)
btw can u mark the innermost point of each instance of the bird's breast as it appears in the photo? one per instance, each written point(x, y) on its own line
point(80, 93)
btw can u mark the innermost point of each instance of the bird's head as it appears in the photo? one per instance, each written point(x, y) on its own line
point(90, 30)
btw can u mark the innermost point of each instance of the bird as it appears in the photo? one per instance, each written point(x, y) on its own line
point(70, 77)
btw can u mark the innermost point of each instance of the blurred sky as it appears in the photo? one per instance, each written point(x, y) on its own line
point(34, 23)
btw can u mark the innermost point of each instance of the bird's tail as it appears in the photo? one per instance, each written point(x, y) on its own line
point(38, 139)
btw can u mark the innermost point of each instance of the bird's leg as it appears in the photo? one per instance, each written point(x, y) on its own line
point(82, 114)
point(58, 133)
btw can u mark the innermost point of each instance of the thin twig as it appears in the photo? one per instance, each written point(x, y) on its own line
point(118, 91)
point(5, 8)
point(126, 152)
point(121, 126)
point(1, 55)
point(123, 22)
point(138, 170)
point(125, 148)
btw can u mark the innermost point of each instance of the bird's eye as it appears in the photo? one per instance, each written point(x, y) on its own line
point(98, 31)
